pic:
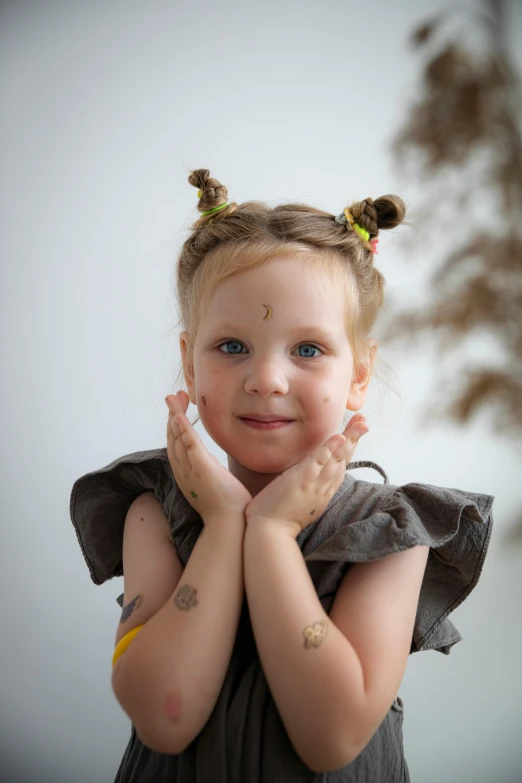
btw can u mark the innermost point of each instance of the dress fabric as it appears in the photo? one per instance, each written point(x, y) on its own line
point(244, 740)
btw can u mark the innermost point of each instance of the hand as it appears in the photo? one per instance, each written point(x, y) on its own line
point(209, 487)
point(299, 496)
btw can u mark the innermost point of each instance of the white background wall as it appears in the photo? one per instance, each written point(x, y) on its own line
point(102, 103)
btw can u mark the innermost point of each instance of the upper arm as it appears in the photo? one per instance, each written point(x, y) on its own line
point(151, 566)
point(375, 608)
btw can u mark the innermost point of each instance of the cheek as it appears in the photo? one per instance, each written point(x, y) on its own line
point(212, 410)
point(325, 405)
point(326, 417)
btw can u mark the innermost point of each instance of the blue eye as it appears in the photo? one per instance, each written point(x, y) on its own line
point(230, 342)
point(236, 342)
point(309, 345)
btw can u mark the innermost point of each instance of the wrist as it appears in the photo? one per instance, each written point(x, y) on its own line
point(225, 521)
point(257, 525)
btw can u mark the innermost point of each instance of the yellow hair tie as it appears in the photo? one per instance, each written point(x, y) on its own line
point(124, 643)
point(200, 193)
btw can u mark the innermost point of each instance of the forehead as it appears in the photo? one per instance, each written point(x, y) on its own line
point(295, 290)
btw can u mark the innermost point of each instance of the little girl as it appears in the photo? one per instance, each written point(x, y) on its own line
point(269, 609)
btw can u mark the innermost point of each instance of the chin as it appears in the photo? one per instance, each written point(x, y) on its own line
point(259, 464)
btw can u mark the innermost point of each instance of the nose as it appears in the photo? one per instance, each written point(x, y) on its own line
point(266, 376)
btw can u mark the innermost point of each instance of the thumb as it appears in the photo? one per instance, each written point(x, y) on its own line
point(336, 442)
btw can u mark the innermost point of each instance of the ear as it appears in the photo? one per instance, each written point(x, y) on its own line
point(188, 367)
point(362, 377)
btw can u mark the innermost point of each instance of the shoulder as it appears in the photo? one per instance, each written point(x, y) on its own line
point(100, 501)
point(384, 528)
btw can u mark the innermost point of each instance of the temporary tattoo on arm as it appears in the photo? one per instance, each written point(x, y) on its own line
point(326, 398)
point(131, 606)
point(312, 511)
point(204, 400)
point(314, 634)
point(186, 598)
point(193, 493)
point(268, 312)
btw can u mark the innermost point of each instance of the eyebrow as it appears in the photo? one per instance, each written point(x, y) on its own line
point(228, 326)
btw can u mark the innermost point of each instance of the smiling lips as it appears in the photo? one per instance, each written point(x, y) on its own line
point(272, 424)
point(264, 418)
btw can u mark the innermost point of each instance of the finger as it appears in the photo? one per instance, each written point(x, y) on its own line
point(315, 463)
point(358, 424)
point(356, 429)
point(173, 439)
point(327, 469)
point(189, 442)
point(175, 407)
point(178, 428)
point(170, 399)
point(183, 399)
point(175, 403)
point(336, 460)
point(353, 432)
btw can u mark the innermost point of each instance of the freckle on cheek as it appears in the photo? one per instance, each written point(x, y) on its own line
point(173, 708)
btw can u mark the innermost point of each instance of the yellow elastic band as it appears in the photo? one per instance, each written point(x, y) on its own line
point(124, 643)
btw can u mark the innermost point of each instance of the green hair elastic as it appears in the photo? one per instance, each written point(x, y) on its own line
point(361, 231)
point(214, 209)
point(347, 217)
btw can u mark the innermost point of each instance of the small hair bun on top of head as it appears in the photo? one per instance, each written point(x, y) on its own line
point(213, 196)
point(391, 211)
point(385, 212)
point(367, 217)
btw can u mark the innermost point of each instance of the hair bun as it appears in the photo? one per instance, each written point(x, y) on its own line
point(384, 212)
point(391, 211)
point(214, 194)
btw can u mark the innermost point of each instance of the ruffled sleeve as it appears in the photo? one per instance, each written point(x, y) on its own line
point(100, 500)
point(372, 521)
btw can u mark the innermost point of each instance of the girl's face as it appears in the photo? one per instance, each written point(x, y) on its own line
point(272, 342)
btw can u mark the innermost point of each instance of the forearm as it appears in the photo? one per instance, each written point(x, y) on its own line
point(299, 647)
point(174, 668)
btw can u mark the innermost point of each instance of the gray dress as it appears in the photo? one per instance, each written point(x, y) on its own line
point(244, 740)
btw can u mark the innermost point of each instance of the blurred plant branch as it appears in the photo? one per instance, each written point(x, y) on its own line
point(468, 122)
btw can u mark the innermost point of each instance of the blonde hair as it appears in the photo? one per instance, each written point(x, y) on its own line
point(249, 235)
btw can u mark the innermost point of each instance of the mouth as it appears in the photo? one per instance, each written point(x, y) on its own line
point(264, 417)
point(266, 425)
